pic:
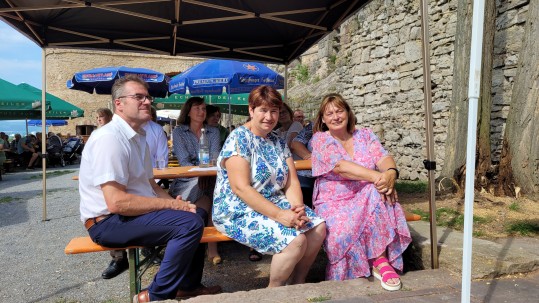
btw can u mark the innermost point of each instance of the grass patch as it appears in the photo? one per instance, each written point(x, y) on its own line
point(523, 228)
point(449, 217)
point(411, 187)
point(514, 206)
point(6, 199)
point(332, 59)
point(52, 174)
point(424, 215)
point(319, 299)
point(478, 234)
point(301, 73)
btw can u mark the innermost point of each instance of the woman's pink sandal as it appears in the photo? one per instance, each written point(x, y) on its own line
point(384, 274)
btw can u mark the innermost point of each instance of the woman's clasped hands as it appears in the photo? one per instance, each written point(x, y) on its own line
point(294, 217)
point(385, 185)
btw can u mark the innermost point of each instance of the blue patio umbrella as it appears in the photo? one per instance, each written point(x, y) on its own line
point(47, 122)
point(213, 77)
point(100, 80)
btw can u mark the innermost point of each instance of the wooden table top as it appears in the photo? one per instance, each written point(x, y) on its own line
point(195, 171)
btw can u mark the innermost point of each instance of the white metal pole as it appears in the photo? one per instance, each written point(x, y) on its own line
point(474, 85)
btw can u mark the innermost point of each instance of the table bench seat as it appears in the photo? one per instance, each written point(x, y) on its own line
point(137, 267)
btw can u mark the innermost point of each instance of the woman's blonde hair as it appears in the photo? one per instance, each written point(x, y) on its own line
point(339, 102)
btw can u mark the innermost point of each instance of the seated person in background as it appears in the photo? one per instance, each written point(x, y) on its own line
point(301, 150)
point(186, 138)
point(104, 115)
point(28, 152)
point(158, 143)
point(299, 116)
point(14, 145)
point(289, 128)
point(257, 200)
point(213, 117)
point(121, 205)
point(354, 192)
point(4, 145)
point(38, 143)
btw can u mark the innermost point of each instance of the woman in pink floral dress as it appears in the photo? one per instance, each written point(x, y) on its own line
point(354, 193)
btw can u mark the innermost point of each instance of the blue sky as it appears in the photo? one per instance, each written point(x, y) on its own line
point(20, 58)
point(20, 61)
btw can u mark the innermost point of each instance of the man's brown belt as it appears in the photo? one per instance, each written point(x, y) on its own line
point(92, 221)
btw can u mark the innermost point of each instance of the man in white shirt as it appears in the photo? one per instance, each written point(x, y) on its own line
point(121, 205)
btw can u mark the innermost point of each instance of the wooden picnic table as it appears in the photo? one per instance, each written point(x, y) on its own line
point(195, 171)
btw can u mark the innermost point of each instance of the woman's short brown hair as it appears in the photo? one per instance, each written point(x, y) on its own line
point(265, 94)
point(339, 102)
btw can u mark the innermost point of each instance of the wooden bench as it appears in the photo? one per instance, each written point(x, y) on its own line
point(137, 267)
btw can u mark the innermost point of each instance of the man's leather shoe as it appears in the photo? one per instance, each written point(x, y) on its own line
point(142, 297)
point(202, 290)
point(115, 268)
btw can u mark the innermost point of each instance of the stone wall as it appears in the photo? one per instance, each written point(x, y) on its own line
point(62, 64)
point(374, 60)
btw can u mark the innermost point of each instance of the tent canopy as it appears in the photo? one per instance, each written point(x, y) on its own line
point(270, 31)
point(59, 108)
point(239, 102)
point(17, 103)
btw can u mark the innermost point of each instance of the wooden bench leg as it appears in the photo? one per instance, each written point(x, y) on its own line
point(138, 267)
point(134, 278)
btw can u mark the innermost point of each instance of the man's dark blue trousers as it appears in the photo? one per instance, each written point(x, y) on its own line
point(180, 231)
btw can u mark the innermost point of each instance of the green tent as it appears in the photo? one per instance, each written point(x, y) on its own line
point(60, 109)
point(238, 102)
point(17, 103)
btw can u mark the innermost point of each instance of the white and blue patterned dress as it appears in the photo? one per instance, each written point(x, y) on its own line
point(269, 174)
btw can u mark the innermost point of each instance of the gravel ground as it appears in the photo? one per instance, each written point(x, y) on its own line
point(35, 268)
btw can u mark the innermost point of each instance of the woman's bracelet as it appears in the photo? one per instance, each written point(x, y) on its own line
point(395, 169)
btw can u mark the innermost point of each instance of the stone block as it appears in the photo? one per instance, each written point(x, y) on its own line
point(412, 51)
point(379, 52)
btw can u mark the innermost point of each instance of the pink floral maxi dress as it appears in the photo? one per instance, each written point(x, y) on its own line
point(360, 225)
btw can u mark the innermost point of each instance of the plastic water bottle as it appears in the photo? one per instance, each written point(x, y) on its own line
point(204, 151)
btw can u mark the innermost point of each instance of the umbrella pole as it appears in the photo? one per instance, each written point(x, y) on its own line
point(430, 162)
point(43, 141)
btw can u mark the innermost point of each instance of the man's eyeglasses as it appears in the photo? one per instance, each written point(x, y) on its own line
point(139, 97)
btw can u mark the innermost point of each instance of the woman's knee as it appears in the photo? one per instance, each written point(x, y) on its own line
point(297, 245)
point(318, 233)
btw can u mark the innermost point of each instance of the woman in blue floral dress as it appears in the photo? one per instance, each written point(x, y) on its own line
point(257, 199)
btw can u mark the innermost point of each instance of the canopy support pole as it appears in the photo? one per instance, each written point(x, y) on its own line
point(43, 127)
point(285, 82)
point(474, 87)
point(229, 107)
point(430, 162)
